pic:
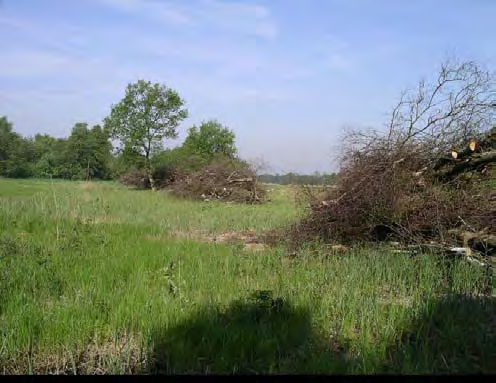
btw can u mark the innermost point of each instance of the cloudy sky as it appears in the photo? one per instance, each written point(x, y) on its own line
point(286, 75)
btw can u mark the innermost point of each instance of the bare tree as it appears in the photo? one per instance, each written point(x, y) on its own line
point(457, 106)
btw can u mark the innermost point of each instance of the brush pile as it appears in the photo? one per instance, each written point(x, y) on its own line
point(427, 179)
point(226, 180)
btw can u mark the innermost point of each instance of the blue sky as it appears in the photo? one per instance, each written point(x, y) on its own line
point(286, 75)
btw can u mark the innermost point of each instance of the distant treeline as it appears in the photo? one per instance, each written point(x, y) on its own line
point(147, 115)
point(86, 153)
point(298, 179)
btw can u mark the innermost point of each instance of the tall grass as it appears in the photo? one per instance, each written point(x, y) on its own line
point(95, 278)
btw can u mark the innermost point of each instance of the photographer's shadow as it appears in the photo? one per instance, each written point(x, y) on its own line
point(258, 335)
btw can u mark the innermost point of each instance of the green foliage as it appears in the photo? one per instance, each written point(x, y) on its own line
point(15, 152)
point(7, 138)
point(179, 159)
point(209, 140)
point(126, 160)
point(145, 117)
point(49, 156)
point(140, 121)
point(87, 153)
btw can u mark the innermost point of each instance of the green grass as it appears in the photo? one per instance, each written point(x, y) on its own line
point(96, 278)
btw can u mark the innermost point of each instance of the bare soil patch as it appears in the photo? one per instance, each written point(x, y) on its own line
point(248, 238)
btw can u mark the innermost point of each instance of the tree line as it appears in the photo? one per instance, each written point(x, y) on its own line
point(86, 153)
point(147, 115)
point(138, 125)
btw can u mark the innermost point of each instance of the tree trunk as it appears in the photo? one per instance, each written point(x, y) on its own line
point(149, 174)
point(151, 179)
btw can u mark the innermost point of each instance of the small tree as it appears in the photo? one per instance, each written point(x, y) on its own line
point(210, 139)
point(146, 115)
point(7, 138)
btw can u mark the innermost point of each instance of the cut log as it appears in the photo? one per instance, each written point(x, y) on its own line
point(468, 151)
point(483, 241)
point(241, 180)
point(472, 145)
point(472, 163)
point(475, 147)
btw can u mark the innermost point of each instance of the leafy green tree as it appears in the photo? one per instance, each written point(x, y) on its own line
point(7, 142)
point(146, 115)
point(49, 156)
point(211, 139)
point(102, 155)
point(15, 152)
point(87, 153)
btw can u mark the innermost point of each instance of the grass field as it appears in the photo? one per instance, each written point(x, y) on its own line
point(96, 278)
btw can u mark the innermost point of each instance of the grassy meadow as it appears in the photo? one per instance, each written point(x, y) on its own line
point(96, 278)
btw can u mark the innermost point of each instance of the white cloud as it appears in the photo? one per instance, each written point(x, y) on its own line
point(63, 36)
point(235, 17)
point(54, 51)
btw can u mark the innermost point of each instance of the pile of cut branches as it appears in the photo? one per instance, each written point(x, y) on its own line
point(426, 179)
point(226, 180)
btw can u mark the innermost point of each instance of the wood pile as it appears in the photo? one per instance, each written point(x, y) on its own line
point(477, 157)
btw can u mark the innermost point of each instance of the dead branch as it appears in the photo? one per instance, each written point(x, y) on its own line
point(451, 109)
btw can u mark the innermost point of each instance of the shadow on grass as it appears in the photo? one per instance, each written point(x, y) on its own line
point(259, 335)
point(455, 335)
